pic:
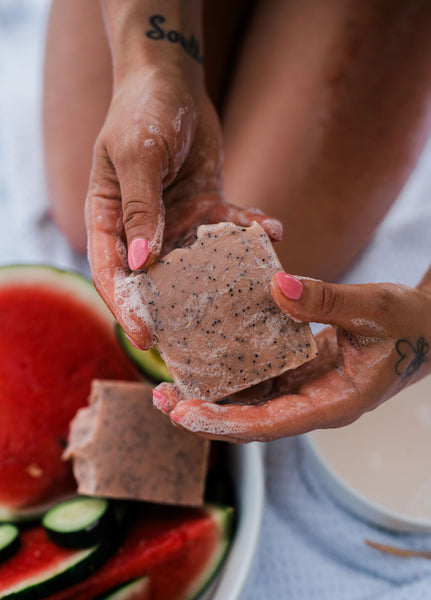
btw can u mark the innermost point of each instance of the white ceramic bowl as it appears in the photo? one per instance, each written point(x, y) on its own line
point(379, 467)
point(246, 466)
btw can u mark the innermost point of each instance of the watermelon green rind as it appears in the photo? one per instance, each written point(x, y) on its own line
point(149, 362)
point(75, 567)
point(224, 517)
point(173, 544)
point(131, 589)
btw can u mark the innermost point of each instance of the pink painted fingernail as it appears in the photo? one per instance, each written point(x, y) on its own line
point(138, 253)
point(161, 402)
point(132, 342)
point(289, 286)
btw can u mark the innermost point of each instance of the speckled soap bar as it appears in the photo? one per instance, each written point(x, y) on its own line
point(216, 324)
point(122, 448)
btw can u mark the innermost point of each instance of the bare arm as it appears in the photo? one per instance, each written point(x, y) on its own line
point(157, 163)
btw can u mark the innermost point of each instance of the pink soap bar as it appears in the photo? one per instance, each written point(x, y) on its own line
point(123, 448)
point(216, 324)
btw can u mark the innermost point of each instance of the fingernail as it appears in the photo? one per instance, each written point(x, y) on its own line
point(161, 402)
point(138, 253)
point(289, 286)
point(132, 342)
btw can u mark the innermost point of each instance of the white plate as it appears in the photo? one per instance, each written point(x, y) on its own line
point(247, 472)
point(379, 466)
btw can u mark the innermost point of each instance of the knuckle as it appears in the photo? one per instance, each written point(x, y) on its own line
point(135, 212)
point(383, 302)
point(136, 147)
point(330, 301)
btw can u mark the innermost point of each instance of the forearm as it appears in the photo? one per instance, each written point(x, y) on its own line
point(153, 32)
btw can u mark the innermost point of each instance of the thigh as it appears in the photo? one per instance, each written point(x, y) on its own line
point(327, 114)
point(77, 93)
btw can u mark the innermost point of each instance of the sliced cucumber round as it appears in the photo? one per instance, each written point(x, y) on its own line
point(80, 523)
point(149, 362)
point(9, 540)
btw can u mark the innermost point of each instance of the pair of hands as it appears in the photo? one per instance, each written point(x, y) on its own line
point(156, 176)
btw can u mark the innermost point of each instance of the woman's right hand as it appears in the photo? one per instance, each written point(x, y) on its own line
point(156, 176)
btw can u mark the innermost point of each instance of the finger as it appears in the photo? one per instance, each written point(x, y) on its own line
point(332, 402)
point(246, 217)
point(363, 309)
point(166, 396)
point(107, 257)
point(141, 184)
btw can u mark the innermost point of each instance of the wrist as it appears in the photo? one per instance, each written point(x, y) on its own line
point(155, 34)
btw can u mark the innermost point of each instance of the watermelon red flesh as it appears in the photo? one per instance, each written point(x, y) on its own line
point(172, 548)
point(52, 345)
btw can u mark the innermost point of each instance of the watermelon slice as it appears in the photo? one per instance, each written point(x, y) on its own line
point(57, 336)
point(179, 549)
point(41, 567)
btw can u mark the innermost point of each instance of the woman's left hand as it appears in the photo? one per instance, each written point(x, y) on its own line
point(377, 345)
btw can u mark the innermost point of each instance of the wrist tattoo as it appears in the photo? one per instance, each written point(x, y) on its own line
point(411, 357)
point(191, 45)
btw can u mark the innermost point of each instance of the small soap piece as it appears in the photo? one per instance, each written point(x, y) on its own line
point(123, 448)
point(216, 324)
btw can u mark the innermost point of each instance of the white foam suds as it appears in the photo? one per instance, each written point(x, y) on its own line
point(149, 143)
point(366, 323)
point(129, 301)
point(177, 121)
point(273, 227)
point(196, 422)
point(154, 129)
point(155, 243)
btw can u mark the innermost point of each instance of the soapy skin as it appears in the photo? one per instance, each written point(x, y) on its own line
point(377, 345)
point(178, 180)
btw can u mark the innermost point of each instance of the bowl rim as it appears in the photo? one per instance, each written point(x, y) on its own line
point(354, 501)
point(246, 464)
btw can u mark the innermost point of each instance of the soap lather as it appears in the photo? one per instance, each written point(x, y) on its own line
point(215, 322)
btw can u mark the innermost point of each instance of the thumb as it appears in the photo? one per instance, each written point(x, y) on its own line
point(363, 309)
point(141, 188)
